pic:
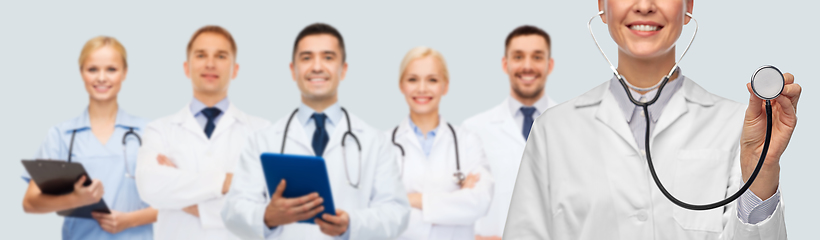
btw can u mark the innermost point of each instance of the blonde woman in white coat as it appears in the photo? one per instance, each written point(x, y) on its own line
point(446, 176)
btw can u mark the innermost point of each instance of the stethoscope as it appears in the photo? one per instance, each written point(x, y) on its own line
point(458, 176)
point(124, 156)
point(344, 153)
point(767, 84)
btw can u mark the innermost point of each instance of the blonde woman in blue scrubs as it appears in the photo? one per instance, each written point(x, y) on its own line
point(432, 151)
point(98, 145)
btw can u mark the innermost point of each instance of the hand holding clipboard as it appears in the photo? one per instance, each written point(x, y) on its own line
point(62, 178)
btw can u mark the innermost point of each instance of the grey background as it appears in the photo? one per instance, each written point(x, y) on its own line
point(40, 43)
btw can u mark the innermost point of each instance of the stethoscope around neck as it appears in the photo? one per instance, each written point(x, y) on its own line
point(767, 84)
point(124, 142)
point(458, 176)
point(344, 152)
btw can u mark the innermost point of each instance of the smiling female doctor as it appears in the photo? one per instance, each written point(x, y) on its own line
point(442, 207)
point(584, 173)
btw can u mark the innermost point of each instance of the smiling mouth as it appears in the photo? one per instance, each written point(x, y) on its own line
point(528, 78)
point(209, 76)
point(645, 28)
point(317, 79)
point(422, 100)
point(102, 88)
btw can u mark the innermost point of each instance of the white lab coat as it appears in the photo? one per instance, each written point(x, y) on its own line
point(201, 167)
point(448, 211)
point(582, 175)
point(504, 145)
point(378, 209)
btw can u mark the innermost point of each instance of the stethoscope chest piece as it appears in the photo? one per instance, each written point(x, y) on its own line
point(768, 82)
point(459, 177)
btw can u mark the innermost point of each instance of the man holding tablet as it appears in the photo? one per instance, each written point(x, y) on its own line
point(364, 178)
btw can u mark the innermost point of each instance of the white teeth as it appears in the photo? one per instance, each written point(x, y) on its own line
point(644, 28)
point(528, 78)
point(316, 79)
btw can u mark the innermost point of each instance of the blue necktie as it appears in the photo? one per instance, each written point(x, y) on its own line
point(210, 113)
point(320, 137)
point(527, 111)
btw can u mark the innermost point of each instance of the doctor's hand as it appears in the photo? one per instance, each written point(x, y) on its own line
point(333, 225)
point(164, 161)
point(114, 222)
point(283, 210)
point(88, 195)
point(478, 237)
point(470, 181)
point(784, 120)
point(415, 200)
point(193, 210)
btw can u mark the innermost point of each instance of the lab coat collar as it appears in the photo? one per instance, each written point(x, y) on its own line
point(505, 120)
point(82, 122)
point(692, 92)
point(185, 118)
point(406, 131)
point(356, 127)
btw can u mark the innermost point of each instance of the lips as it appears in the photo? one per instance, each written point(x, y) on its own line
point(527, 78)
point(101, 89)
point(208, 76)
point(422, 100)
point(644, 28)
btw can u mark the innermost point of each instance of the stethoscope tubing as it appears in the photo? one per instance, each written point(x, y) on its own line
point(124, 142)
point(344, 152)
point(645, 105)
point(458, 174)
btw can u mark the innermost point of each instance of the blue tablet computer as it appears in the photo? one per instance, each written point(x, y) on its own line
point(303, 174)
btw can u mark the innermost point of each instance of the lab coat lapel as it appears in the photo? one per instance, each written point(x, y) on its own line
point(608, 112)
point(676, 108)
point(225, 122)
point(405, 136)
point(296, 134)
point(186, 120)
point(506, 123)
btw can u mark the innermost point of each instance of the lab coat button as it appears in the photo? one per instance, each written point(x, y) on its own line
point(642, 216)
point(643, 152)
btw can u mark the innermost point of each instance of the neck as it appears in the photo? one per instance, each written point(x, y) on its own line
point(644, 73)
point(527, 101)
point(319, 105)
point(425, 121)
point(105, 111)
point(210, 99)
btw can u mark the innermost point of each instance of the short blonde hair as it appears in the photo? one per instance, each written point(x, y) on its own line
point(99, 42)
point(422, 52)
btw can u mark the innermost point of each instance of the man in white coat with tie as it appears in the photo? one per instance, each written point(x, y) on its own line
point(185, 163)
point(504, 128)
point(367, 193)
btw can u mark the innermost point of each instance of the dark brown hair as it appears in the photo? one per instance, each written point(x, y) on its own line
point(320, 28)
point(527, 30)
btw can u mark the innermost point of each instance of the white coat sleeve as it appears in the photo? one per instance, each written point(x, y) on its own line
point(169, 188)
point(529, 216)
point(244, 209)
point(773, 227)
point(388, 212)
point(464, 206)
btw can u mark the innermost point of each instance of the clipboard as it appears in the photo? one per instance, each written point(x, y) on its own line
point(303, 174)
point(56, 177)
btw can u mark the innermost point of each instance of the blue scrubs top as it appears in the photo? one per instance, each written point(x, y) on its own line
point(105, 162)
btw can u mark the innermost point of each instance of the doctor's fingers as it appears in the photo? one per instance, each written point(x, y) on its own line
point(307, 208)
point(755, 107)
point(792, 94)
point(298, 201)
point(279, 189)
